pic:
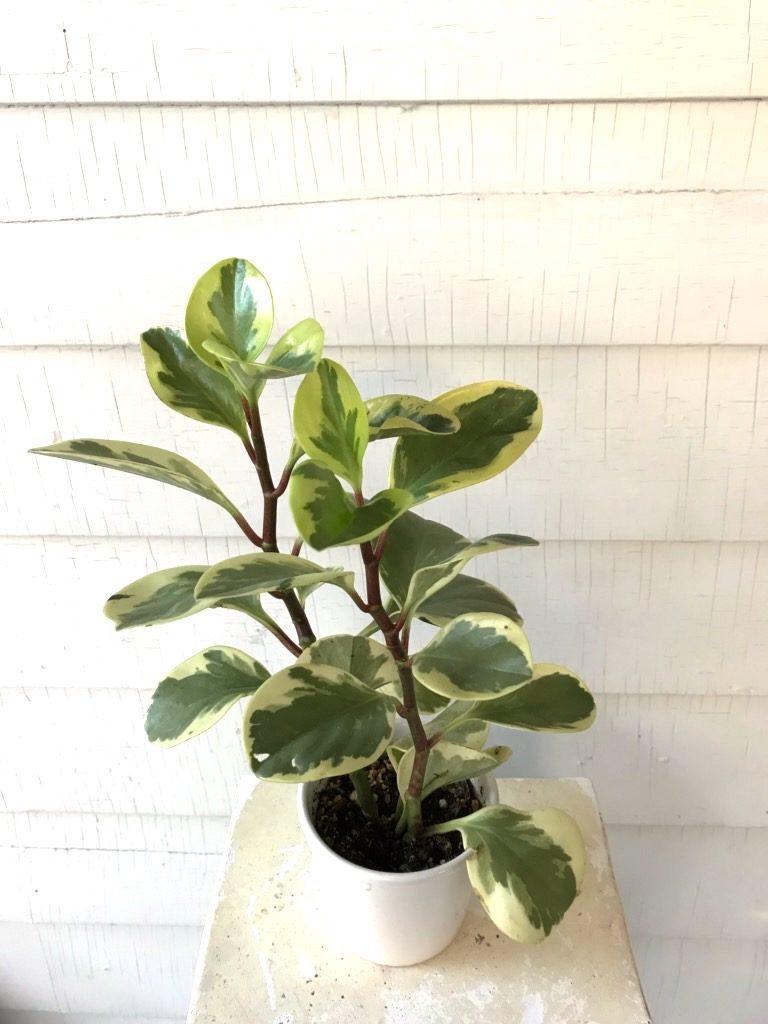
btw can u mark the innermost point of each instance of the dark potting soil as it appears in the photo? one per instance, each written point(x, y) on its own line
point(372, 842)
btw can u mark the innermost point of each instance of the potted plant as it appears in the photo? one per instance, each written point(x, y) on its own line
point(389, 743)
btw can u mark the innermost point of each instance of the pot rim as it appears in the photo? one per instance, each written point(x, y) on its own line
point(306, 789)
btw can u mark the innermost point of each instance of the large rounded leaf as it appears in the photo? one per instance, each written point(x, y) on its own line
point(326, 515)
point(314, 721)
point(552, 700)
point(331, 421)
point(368, 661)
point(231, 305)
point(263, 572)
point(199, 692)
point(498, 422)
point(527, 868)
point(141, 460)
point(188, 385)
point(476, 656)
point(400, 415)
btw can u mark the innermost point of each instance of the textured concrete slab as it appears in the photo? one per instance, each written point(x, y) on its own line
point(262, 959)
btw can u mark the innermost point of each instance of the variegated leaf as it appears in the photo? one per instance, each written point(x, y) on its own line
point(498, 422)
point(422, 557)
point(199, 692)
point(527, 868)
point(466, 594)
point(449, 762)
point(264, 572)
point(368, 661)
point(331, 421)
point(297, 352)
point(326, 515)
point(230, 305)
point(314, 721)
point(141, 460)
point(552, 700)
point(475, 657)
point(168, 595)
point(400, 415)
point(469, 732)
point(187, 385)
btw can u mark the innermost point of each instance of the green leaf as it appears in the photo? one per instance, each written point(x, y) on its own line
point(314, 721)
point(449, 762)
point(297, 352)
point(263, 572)
point(400, 415)
point(475, 657)
point(326, 515)
point(199, 692)
point(231, 304)
point(162, 596)
point(498, 422)
point(331, 421)
point(188, 385)
point(141, 460)
point(421, 557)
point(368, 661)
point(168, 595)
point(469, 732)
point(552, 700)
point(527, 868)
point(466, 594)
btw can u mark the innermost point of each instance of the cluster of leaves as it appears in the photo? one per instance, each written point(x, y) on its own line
point(335, 709)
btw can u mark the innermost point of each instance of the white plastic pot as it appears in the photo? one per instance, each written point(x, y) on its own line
point(386, 917)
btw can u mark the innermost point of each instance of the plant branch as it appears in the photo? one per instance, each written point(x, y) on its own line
point(410, 710)
point(272, 494)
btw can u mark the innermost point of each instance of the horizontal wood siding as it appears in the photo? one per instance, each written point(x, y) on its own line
point(362, 51)
point(462, 270)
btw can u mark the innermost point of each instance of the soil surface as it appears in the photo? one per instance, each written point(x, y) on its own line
point(372, 842)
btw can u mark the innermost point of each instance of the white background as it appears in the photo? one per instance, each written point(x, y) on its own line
point(568, 194)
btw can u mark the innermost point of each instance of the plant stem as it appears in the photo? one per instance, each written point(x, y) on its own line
point(365, 797)
point(272, 494)
point(410, 710)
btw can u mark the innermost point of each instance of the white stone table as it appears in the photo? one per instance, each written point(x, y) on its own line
point(262, 961)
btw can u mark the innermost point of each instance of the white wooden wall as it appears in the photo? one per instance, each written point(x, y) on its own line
point(569, 193)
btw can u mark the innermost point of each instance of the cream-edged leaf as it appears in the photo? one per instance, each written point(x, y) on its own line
point(187, 385)
point(367, 660)
point(552, 700)
point(527, 868)
point(297, 352)
point(315, 721)
point(141, 460)
point(199, 691)
point(231, 305)
point(331, 421)
point(399, 415)
point(263, 572)
point(422, 557)
point(476, 656)
point(498, 422)
point(326, 515)
point(168, 595)
point(449, 762)
point(466, 594)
